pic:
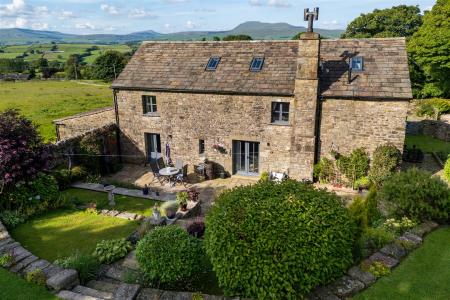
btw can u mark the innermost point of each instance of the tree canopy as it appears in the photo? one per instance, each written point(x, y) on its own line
point(398, 21)
point(239, 37)
point(108, 65)
point(429, 49)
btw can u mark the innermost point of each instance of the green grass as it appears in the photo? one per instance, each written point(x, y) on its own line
point(60, 233)
point(427, 143)
point(68, 49)
point(424, 274)
point(13, 287)
point(123, 203)
point(45, 101)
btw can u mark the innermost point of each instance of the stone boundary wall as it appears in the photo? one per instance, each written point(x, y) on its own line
point(436, 129)
point(24, 262)
point(357, 279)
point(81, 123)
point(63, 148)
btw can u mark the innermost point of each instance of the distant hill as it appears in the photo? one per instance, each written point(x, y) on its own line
point(258, 30)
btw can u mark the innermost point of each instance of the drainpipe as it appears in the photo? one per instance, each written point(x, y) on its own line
point(116, 110)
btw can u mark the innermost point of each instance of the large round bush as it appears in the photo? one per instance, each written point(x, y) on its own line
point(278, 241)
point(417, 195)
point(168, 255)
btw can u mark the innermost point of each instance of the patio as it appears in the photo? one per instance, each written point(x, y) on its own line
point(140, 176)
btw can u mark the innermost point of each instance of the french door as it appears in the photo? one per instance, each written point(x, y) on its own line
point(245, 158)
point(153, 145)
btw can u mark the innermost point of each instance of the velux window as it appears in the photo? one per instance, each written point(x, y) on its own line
point(213, 63)
point(256, 64)
point(280, 112)
point(149, 104)
point(357, 63)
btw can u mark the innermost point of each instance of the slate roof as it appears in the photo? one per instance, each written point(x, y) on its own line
point(385, 73)
point(180, 66)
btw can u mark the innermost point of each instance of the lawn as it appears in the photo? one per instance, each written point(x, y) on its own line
point(15, 288)
point(60, 233)
point(123, 203)
point(425, 274)
point(45, 101)
point(427, 143)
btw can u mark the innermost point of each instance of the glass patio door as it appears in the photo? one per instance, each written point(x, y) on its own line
point(245, 158)
point(153, 142)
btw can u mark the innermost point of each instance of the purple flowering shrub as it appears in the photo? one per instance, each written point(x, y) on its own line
point(22, 152)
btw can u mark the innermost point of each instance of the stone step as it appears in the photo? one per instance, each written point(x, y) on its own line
point(69, 295)
point(103, 285)
point(93, 292)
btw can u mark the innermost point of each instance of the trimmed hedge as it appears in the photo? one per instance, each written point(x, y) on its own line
point(417, 195)
point(169, 255)
point(278, 241)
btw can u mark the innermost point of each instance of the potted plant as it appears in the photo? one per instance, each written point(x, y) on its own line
point(182, 199)
point(193, 194)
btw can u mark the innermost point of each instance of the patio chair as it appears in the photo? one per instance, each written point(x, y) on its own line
point(182, 176)
point(179, 164)
point(155, 171)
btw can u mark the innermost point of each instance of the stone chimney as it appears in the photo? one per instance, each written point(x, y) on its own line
point(306, 92)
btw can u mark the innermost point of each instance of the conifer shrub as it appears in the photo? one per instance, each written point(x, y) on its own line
point(278, 240)
point(417, 195)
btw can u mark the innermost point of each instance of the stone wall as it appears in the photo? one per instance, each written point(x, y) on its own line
point(214, 118)
point(350, 124)
point(436, 129)
point(78, 124)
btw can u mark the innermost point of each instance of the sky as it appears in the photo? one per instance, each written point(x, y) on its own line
point(165, 16)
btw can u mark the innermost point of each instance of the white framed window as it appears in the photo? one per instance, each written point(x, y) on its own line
point(149, 104)
point(280, 113)
point(357, 63)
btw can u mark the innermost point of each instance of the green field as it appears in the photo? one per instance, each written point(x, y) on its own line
point(424, 274)
point(13, 287)
point(67, 50)
point(45, 101)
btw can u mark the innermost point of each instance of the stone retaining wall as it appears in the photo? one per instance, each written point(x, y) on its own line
point(24, 262)
point(436, 129)
point(81, 123)
point(357, 279)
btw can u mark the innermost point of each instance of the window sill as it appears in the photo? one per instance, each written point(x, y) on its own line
point(281, 124)
point(151, 115)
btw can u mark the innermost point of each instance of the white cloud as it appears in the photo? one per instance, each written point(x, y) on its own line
point(14, 23)
point(112, 10)
point(141, 13)
point(39, 26)
point(167, 26)
point(15, 8)
point(86, 25)
point(190, 25)
point(66, 14)
point(273, 3)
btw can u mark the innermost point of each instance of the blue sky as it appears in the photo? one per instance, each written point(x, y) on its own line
point(114, 16)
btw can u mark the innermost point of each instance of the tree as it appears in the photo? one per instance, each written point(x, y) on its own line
point(239, 37)
point(398, 21)
point(429, 48)
point(22, 152)
point(216, 38)
point(72, 67)
point(108, 65)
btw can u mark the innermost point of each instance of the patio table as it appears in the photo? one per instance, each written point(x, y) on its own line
point(169, 172)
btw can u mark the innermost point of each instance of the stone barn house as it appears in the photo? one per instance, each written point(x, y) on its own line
point(254, 106)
